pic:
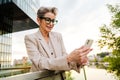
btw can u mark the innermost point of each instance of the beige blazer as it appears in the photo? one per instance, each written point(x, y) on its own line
point(40, 54)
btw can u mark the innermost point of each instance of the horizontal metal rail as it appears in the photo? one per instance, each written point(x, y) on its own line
point(12, 68)
point(29, 76)
point(26, 76)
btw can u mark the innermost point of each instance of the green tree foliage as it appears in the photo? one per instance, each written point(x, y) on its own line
point(116, 15)
point(110, 38)
point(68, 76)
point(103, 54)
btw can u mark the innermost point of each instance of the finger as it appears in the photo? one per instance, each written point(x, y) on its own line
point(83, 49)
point(80, 48)
point(85, 53)
point(84, 57)
point(84, 60)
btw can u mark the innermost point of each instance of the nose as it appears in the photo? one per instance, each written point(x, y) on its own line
point(51, 23)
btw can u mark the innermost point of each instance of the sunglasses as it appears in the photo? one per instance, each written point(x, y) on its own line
point(49, 20)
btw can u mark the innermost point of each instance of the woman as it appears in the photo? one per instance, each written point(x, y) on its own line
point(46, 48)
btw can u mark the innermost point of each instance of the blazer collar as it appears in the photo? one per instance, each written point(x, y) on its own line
point(45, 45)
point(54, 43)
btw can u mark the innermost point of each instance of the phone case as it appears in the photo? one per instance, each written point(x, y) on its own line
point(88, 42)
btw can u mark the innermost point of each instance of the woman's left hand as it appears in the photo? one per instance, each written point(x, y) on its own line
point(83, 55)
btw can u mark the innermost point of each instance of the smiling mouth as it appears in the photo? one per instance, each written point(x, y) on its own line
point(49, 27)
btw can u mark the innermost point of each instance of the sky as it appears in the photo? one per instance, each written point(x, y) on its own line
point(78, 20)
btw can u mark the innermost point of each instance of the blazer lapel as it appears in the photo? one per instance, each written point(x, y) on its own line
point(43, 43)
point(54, 43)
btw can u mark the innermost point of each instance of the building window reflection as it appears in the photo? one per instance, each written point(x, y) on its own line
point(23, 19)
point(5, 49)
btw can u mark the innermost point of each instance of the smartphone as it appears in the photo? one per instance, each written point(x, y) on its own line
point(88, 42)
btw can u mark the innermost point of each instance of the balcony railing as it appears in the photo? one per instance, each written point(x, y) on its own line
point(26, 76)
point(13, 68)
point(5, 72)
point(29, 75)
point(32, 76)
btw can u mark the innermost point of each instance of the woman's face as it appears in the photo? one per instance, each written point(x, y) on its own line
point(47, 22)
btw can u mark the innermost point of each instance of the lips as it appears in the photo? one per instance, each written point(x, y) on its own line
point(49, 27)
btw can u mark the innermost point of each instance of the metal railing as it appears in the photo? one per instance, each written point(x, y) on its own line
point(6, 72)
point(31, 76)
point(26, 76)
point(12, 68)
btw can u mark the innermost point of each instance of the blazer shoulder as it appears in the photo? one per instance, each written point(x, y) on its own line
point(56, 34)
point(30, 35)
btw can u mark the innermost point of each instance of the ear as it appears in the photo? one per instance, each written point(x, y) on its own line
point(38, 20)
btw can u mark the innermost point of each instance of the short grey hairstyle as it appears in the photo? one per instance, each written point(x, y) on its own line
point(43, 10)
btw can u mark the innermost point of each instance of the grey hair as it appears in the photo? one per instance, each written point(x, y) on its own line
point(43, 10)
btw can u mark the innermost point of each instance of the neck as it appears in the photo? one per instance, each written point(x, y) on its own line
point(44, 33)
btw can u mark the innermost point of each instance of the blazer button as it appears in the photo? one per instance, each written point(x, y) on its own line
point(51, 53)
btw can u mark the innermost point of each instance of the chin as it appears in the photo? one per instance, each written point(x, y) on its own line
point(48, 30)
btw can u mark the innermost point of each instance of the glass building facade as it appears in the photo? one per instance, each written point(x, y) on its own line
point(5, 50)
point(6, 26)
point(15, 15)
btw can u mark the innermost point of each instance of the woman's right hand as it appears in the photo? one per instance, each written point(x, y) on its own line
point(79, 55)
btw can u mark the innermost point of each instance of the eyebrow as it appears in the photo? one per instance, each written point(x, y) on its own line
point(47, 17)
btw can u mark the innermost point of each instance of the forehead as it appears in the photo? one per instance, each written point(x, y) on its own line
point(50, 15)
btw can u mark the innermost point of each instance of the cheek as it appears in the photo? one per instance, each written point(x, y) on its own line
point(43, 25)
